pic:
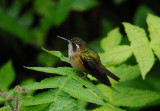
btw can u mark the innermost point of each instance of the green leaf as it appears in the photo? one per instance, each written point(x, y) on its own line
point(61, 103)
point(58, 54)
point(54, 12)
point(59, 70)
point(47, 97)
point(140, 16)
point(141, 48)
point(154, 83)
point(14, 9)
point(7, 76)
point(28, 81)
point(116, 55)
point(90, 86)
point(103, 108)
point(131, 97)
point(26, 20)
point(81, 105)
point(154, 30)
point(64, 106)
point(41, 107)
point(126, 72)
point(69, 72)
point(112, 40)
point(83, 5)
point(68, 85)
point(47, 59)
point(11, 25)
point(1, 100)
point(5, 108)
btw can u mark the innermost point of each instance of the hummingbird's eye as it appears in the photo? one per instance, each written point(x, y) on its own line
point(75, 47)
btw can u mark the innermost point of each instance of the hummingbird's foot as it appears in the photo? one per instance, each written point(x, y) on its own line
point(85, 77)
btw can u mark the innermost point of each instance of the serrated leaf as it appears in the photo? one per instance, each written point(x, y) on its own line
point(68, 85)
point(131, 97)
point(126, 72)
point(90, 86)
point(154, 30)
point(141, 48)
point(58, 54)
point(7, 76)
point(41, 107)
point(83, 5)
point(112, 40)
point(61, 104)
point(47, 97)
point(81, 105)
point(117, 55)
point(140, 16)
point(69, 72)
point(103, 108)
point(27, 81)
point(59, 70)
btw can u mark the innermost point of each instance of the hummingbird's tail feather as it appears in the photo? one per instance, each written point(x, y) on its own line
point(103, 79)
point(110, 74)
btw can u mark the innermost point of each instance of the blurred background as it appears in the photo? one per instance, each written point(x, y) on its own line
point(28, 25)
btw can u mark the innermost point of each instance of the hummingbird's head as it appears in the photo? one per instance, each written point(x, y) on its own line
point(78, 44)
point(75, 44)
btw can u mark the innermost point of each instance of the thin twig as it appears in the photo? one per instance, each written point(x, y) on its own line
point(17, 102)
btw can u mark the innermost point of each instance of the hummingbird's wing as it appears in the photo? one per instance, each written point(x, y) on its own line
point(92, 68)
point(90, 64)
point(93, 64)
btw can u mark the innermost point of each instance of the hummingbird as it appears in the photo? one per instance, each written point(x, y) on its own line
point(87, 60)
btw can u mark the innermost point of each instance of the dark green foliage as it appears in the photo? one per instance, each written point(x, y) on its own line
point(65, 90)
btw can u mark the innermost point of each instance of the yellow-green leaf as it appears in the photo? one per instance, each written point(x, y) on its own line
point(68, 85)
point(103, 108)
point(141, 48)
point(154, 30)
point(132, 97)
point(72, 73)
point(117, 55)
point(126, 72)
point(58, 54)
point(129, 97)
point(113, 39)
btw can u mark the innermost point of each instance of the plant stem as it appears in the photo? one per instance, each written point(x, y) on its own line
point(17, 102)
point(11, 106)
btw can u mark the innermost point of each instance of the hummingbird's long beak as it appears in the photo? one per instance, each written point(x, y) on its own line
point(63, 38)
